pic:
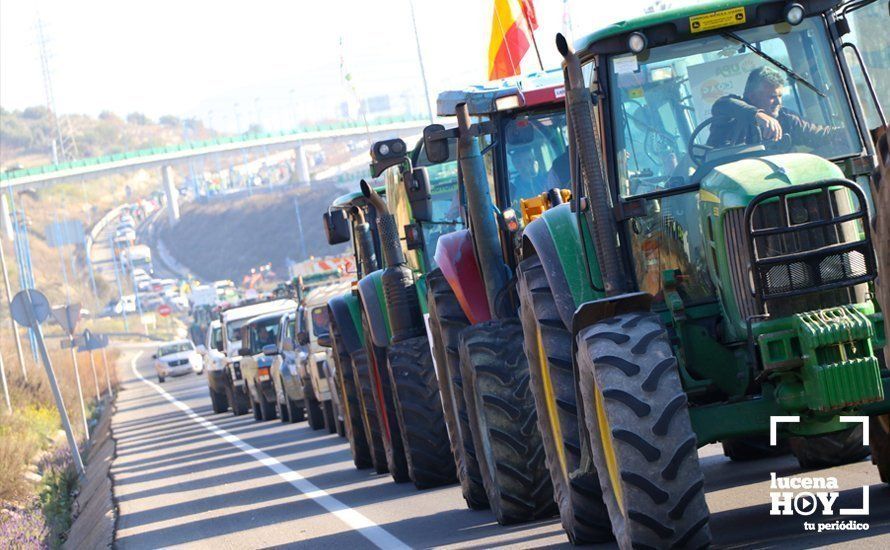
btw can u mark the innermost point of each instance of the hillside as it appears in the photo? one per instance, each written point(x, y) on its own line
point(26, 135)
point(226, 238)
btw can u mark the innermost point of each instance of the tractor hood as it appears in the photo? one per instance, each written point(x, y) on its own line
point(733, 185)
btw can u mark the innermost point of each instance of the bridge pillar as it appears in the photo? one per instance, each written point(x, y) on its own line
point(301, 167)
point(172, 194)
point(6, 218)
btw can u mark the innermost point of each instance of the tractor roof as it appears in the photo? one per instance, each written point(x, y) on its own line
point(531, 89)
point(675, 24)
point(354, 199)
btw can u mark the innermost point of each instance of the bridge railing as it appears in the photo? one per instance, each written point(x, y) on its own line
point(197, 145)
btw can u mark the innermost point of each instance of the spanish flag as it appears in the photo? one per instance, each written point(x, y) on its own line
point(511, 34)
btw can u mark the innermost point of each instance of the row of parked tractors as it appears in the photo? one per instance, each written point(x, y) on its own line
point(562, 296)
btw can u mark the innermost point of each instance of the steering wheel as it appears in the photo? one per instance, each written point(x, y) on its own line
point(698, 152)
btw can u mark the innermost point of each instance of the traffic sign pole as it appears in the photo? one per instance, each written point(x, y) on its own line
point(95, 377)
point(15, 330)
point(83, 409)
point(5, 386)
point(107, 374)
point(31, 319)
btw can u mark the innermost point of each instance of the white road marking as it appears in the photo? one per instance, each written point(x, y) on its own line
point(354, 519)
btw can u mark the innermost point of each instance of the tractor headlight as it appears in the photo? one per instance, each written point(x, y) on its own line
point(794, 13)
point(507, 102)
point(637, 42)
point(383, 149)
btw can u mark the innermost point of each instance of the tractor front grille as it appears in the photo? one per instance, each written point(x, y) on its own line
point(809, 247)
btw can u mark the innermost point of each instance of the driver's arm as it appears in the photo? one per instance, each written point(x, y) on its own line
point(804, 132)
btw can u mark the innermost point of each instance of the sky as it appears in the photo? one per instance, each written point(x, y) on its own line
point(275, 62)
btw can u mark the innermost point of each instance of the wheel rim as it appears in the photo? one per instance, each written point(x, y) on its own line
point(605, 433)
point(550, 398)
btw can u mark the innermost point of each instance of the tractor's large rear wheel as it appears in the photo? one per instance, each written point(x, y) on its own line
point(641, 436)
point(829, 450)
point(447, 320)
point(352, 416)
point(503, 422)
point(548, 348)
point(368, 410)
point(382, 393)
point(419, 412)
point(879, 440)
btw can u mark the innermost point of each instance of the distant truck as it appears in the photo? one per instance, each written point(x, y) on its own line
point(204, 295)
point(137, 257)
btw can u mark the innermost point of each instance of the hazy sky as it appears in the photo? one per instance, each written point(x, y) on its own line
point(281, 58)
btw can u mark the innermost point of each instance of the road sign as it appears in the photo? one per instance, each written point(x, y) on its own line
point(164, 310)
point(29, 308)
point(67, 317)
point(90, 341)
point(65, 232)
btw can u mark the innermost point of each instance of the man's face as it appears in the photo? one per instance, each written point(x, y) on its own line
point(524, 163)
point(767, 97)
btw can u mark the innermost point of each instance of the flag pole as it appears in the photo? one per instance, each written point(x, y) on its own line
point(531, 32)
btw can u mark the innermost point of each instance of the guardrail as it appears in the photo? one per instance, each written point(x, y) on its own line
point(99, 226)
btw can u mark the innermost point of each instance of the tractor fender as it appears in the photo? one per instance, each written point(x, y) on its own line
point(370, 290)
point(556, 239)
point(345, 310)
point(456, 257)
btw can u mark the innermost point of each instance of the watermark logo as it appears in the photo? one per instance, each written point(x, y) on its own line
point(814, 495)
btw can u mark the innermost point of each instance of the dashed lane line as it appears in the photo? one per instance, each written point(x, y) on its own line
point(354, 519)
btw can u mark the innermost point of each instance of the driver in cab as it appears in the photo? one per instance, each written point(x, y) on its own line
point(738, 120)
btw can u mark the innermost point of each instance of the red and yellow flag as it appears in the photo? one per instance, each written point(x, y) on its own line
point(511, 34)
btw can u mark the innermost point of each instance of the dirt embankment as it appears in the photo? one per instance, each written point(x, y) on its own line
point(224, 239)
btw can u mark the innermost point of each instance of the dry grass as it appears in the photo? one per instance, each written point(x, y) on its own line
point(34, 427)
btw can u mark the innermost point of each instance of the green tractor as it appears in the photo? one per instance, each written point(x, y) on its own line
point(347, 219)
point(713, 281)
point(512, 151)
point(392, 306)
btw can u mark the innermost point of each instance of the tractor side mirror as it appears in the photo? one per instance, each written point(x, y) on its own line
point(270, 349)
point(417, 188)
point(303, 338)
point(336, 227)
point(435, 143)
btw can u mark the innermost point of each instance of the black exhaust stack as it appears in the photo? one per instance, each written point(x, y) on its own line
point(402, 303)
point(580, 110)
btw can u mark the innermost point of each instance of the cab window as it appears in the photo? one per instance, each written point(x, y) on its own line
point(537, 155)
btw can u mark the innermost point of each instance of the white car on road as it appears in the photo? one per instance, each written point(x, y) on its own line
point(176, 359)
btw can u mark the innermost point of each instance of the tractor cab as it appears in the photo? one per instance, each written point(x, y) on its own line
point(422, 196)
point(522, 126)
point(706, 115)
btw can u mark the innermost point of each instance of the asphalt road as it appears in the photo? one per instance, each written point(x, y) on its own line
point(184, 476)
